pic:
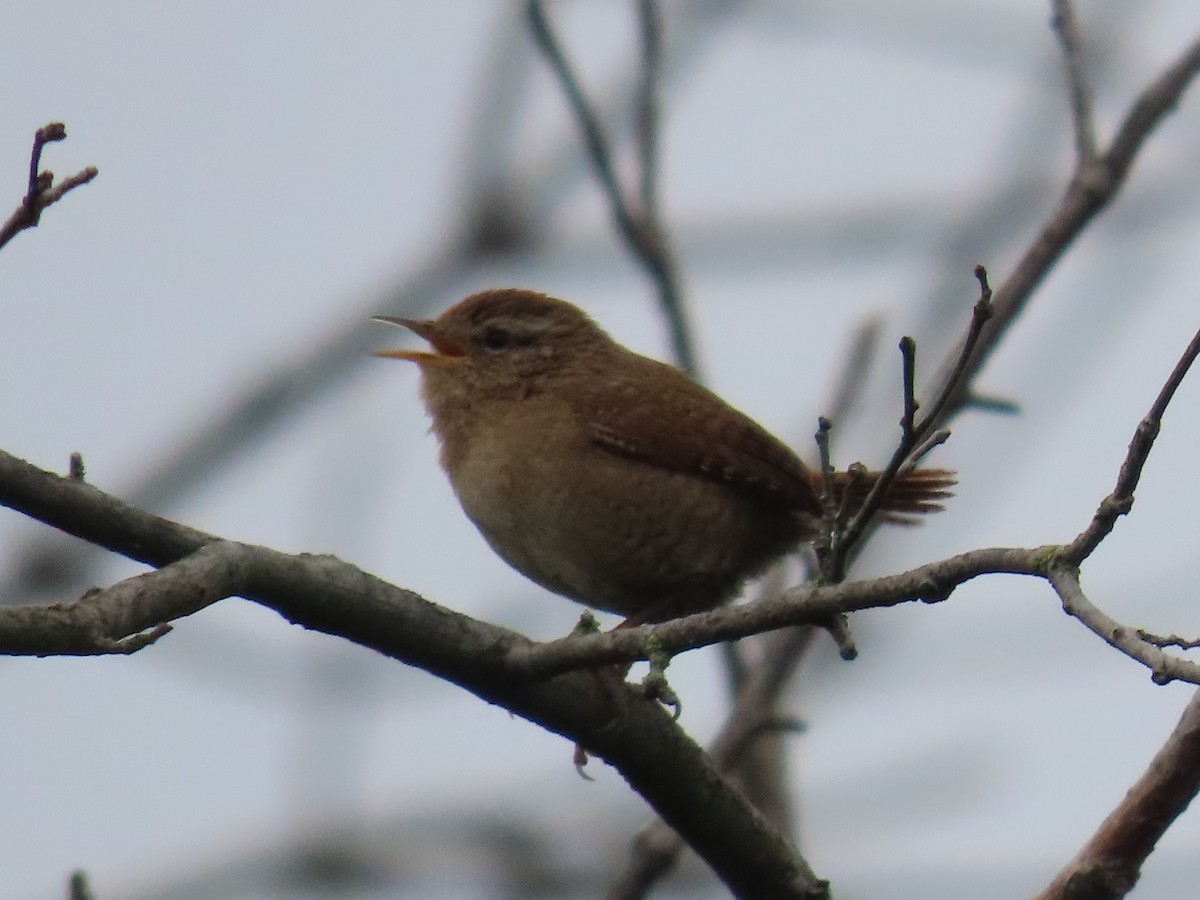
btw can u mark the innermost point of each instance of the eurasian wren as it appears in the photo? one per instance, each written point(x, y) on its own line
point(608, 477)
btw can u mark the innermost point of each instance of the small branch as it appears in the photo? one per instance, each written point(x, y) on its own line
point(597, 144)
point(996, 406)
point(76, 470)
point(855, 473)
point(654, 852)
point(42, 191)
point(78, 887)
point(47, 134)
point(915, 436)
point(838, 628)
point(1171, 640)
point(1163, 667)
point(642, 230)
point(647, 108)
point(1120, 501)
point(981, 314)
point(1160, 97)
point(800, 605)
point(922, 450)
point(908, 377)
point(829, 508)
point(1066, 28)
point(852, 377)
point(1110, 863)
point(131, 614)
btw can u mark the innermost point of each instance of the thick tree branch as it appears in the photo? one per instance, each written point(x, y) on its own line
point(656, 847)
point(611, 721)
point(1109, 864)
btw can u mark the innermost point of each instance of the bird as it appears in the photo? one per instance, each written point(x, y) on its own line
point(608, 477)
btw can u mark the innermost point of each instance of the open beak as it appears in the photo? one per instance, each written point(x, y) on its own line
point(445, 350)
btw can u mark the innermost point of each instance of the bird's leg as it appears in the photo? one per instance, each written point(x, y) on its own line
point(654, 685)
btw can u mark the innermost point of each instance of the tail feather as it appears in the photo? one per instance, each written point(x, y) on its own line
point(914, 493)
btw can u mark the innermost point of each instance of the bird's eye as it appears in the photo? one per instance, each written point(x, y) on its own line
point(496, 339)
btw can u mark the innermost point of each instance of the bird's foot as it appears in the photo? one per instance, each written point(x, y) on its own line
point(655, 686)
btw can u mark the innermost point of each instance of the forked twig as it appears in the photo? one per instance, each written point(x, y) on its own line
point(916, 437)
point(42, 191)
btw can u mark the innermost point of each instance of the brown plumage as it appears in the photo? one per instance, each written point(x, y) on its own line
point(608, 477)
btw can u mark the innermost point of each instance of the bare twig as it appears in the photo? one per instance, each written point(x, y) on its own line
point(641, 229)
point(914, 436)
point(1163, 667)
point(988, 403)
point(1066, 27)
point(981, 314)
point(1170, 640)
point(1092, 187)
point(800, 605)
point(838, 628)
point(78, 887)
point(1120, 501)
point(856, 363)
point(922, 450)
point(42, 191)
point(1109, 864)
point(816, 605)
point(597, 144)
point(908, 377)
point(653, 853)
point(76, 469)
point(131, 614)
point(649, 82)
point(829, 509)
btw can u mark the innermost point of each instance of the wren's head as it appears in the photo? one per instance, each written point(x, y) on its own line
point(502, 345)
